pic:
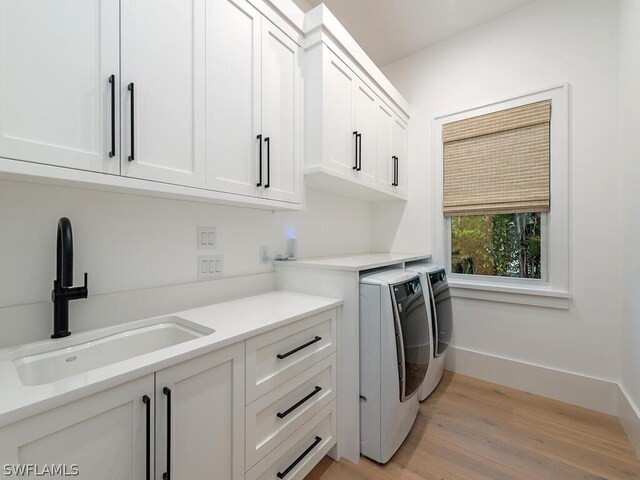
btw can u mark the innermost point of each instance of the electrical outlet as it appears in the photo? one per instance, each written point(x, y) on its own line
point(210, 266)
point(207, 238)
point(264, 254)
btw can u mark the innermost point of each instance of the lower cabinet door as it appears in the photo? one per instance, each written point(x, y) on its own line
point(294, 458)
point(101, 437)
point(200, 417)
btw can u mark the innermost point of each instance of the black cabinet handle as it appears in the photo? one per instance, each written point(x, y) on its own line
point(112, 81)
point(259, 184)
point(167, 475)
point(299, 459)
point(397, 170)
point(267, 140)
point(293, 407)
point(297, 349)
point(132, 157)
point(359, 140)
point(355, 155)
point(147, 401)
point(394, 182)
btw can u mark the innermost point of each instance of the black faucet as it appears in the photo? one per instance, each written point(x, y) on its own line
point(63, 291)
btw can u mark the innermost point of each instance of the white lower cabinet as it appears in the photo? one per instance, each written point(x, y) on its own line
point(200, 417)
point(103, 436)
point(192, 420)
point(294, 458)
point(276, 415)
point(291, 398)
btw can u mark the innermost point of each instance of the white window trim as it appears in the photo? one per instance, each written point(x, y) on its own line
point(553, 290)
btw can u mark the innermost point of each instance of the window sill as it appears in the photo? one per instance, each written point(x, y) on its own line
point(517, 294)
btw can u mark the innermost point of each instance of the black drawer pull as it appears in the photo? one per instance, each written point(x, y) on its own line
point(293, 407)
point(147, 401)
point(297, 349)
point(300, 458)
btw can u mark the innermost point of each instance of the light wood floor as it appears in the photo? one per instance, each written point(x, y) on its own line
point(469, 429)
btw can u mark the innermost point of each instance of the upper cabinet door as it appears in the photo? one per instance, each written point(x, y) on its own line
point(233, 92)
point(339, 139)
point(399, 133)
point(385, 162)
point(56, 59)
point(163, 91)
point(365, 115)
point(281, 115)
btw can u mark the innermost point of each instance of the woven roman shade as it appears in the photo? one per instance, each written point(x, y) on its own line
point(499, 162)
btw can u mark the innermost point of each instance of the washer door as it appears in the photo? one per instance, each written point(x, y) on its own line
point(443, 323)
point(412, 334)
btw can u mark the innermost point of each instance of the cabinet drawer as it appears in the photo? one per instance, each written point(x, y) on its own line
point(281, 354)
point(302, 451)
point(279, 413)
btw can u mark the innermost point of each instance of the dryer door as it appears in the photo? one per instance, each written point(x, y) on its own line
point(412, 330)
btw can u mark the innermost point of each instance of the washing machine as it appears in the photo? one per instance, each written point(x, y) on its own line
point(394, 357)
point(436, 288)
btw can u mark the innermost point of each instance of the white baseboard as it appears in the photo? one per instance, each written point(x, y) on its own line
point(629, 415)
point(593, 393)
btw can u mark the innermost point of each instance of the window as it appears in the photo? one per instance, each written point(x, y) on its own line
point(496, 187)
point(502, 245)
point(502, 199)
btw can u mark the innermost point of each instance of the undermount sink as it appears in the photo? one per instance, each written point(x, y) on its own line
point(42, 364)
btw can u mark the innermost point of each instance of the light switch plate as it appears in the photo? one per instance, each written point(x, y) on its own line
point(264, 254)
point(210, 266)
point(207, 238)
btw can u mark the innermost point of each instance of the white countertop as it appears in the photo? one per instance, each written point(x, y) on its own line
point(232, 321)
point(356, 263)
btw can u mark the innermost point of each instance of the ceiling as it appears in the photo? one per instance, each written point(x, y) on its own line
point(389, 30)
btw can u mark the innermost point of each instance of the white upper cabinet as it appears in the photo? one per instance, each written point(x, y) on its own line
point(339, 144)
point(399, 149)
point(163, 90)
point(233, 93)
point(281, 115)
point(364, 124)
point(56, 61)
point(385, 158)
point(349, 130)
point(253, 91)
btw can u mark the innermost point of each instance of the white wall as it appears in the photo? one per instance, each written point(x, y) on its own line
point(630, 153)
point(542, 44)
point(132, 243)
